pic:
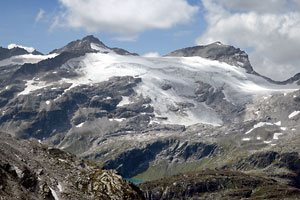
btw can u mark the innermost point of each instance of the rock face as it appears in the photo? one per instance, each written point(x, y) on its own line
point(89, 44)
point(217, 51)
point(30, 170)
point(7, 53)
point(217, 185)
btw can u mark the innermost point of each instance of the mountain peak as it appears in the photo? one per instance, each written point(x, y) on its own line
point(90, 44)
point(28, 49)
point(81, 46)
point(92, 39)
point(217, 51)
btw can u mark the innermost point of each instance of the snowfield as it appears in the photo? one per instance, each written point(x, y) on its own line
point(181, 73)
point(27, 58)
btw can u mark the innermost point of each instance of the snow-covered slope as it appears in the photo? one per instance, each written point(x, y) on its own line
point(27, 58)
point(28, 49)
point(181, 73)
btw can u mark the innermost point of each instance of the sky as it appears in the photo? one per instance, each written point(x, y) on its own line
point(268, 30)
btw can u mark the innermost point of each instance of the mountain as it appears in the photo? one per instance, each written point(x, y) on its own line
point(194, 109)
point(217, 51)
point(15, 50)
point(31, 170)
point(90, 44)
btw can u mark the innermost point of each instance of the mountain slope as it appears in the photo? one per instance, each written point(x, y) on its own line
point(175, 114)
point(217, 184)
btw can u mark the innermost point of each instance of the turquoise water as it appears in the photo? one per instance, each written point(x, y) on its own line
point(135, 181)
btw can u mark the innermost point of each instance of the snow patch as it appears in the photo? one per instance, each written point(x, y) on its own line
point(54, 194)
point(294, 114)
point(117, 119)
point(31, 85)
point(27, 58)
point(28, 49)
point(278, 123)
point(125, 101)
point(283, 128)
point(276, 135)
point(48, 102)
point(260, 124)
point(258, 138)
point(246, 139)
point(59, 186)
point(267, 142)
point(80, 125)
point(100, 48)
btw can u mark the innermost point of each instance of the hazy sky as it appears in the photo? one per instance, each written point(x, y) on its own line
point(268, 30)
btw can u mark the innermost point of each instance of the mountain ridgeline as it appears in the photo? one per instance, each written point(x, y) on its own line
point(197, 123)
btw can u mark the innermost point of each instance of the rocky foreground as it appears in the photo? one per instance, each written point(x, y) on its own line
point(30, 170)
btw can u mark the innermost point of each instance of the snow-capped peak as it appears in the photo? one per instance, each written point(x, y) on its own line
point(28, 49)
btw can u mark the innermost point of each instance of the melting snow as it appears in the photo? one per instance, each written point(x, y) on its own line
point(59, 187)
point(278, 123)
point(28, 49)
point(276, 135)
point(258, 138)
point(101, 49)
point(116, 119)
point(125, 101)
point(31, 85)
point(80, 125)
point(54, 194)
point(48, 102)
point(27, 58)
point(260, 124)
point(294, 114)
point(283, 128)
point(246, 139)
point(267, 142)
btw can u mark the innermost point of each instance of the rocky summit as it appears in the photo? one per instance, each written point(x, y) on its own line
point(199, 117)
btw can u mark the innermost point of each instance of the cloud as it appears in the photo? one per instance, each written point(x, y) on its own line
point(182, 33)
point(40, 15)
point(255, 5)
point(266, 6)
point(126, 38)
point(125, 17)
point(55, 24)
point(151, 55)
point(274, 36)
